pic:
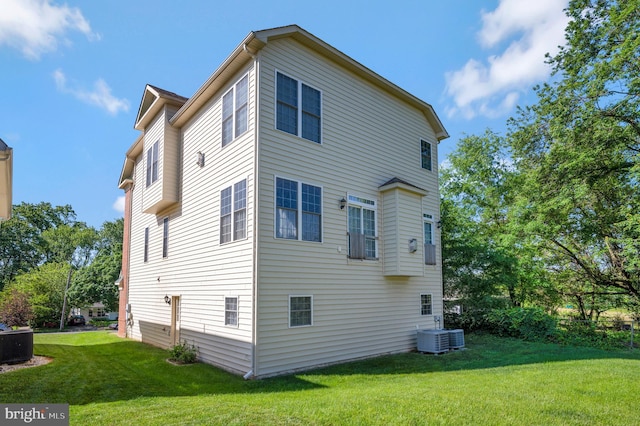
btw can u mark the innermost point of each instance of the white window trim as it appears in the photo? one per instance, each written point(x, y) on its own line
point(430, 295)
point(299, 106)
point(233, 90)
point(233, 222)
point(224, 301)
point(299, 209)
point(289, 310)
point(429, 218)
point(351, 201)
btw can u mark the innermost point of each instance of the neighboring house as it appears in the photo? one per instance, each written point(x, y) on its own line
point(6, 183)
point(285, 216)
point(97, 310)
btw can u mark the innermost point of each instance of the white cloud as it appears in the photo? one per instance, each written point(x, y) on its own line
point(118, 205)
point(37, 26)
point(100, 96)
point(492, 88)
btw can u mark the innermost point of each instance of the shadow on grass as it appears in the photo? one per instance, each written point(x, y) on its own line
point(482, 351)
point(100, 367)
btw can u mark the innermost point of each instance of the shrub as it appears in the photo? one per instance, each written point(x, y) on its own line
point(586, 333)
point(184, 353)
point(525, 323)
point(15, 310)
point(469, 320)
point(101, 322)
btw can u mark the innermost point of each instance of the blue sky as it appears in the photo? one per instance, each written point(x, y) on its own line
point(72, 73)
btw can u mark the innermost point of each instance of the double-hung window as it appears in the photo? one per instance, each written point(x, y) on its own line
point(298, 210)
point(300, 311)
point(362, 228)
point(235, 111)
point(152, 164)
point(426, 304)
point(425, 154)
point(233, 212)
point(231, 311)
point(165, 237)
point(429, 246)
point(298, 108)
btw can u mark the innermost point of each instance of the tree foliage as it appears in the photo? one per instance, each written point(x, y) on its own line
point(73, 243)
point(578, 150)
point(45, 287)
point(23, 242)
point(38, 246)
point(551, 212)
point(483, 257)
point(95, 282)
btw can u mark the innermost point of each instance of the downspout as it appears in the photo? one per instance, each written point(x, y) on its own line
point(127, 287)
point(256, 192)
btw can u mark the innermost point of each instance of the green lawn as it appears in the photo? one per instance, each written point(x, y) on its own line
point(111, 381)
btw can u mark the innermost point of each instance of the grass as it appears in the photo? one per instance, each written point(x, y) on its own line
point(496, 381)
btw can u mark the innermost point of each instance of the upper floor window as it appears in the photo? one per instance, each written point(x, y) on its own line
point(298, 109)
point(363, 232)
point(425, 154)
point(298, 210)
point(152, 164)
point(233, 212)
point(429, 246)
point(234, 111)
point(165, 237)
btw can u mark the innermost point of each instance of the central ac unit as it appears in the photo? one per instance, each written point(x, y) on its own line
point(456, 339)
point(433, 341)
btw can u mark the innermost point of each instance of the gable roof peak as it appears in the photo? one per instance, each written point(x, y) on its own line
point(153, 99)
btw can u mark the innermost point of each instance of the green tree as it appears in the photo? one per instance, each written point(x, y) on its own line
point(44, 286)
point(22, 244)
point(95, 282)
point(74, 243)
point(484, 260)
point(578, 150)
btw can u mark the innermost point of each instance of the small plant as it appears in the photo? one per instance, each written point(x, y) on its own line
point(184, 353)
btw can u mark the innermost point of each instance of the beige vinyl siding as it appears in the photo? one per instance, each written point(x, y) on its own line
point(402, 221)
point(368, 138)
point(198, 269)
point(162, 193)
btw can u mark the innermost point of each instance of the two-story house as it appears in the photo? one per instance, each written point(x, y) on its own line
point(285, 216)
